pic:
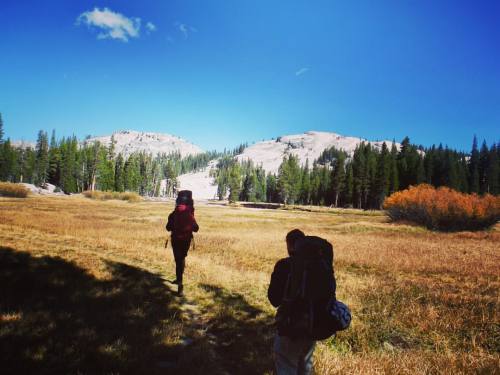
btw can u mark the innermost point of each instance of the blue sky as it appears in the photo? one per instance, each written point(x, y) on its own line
point(219, 72)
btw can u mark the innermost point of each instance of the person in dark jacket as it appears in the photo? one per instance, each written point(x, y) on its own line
point(291, 356)
point(182, 224)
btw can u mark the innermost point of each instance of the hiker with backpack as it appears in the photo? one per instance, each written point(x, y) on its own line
point(303, 289)
point(182, 224)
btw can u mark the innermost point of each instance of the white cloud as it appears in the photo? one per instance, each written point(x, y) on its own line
point(185, 29)
point(151, 27)
point(112, 25)
point(301, 71)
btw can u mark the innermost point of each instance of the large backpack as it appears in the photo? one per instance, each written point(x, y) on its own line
point(185, 197)
point(309, 292)
point(184, 216)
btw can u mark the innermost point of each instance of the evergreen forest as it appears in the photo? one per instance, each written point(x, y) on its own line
point(362, 180)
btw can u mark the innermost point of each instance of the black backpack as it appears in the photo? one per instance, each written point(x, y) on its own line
point(309, 291)
point(185, 197)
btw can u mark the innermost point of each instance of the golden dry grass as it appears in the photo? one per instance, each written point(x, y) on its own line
point(107, 195)
point(8, 189)
point(422, 302)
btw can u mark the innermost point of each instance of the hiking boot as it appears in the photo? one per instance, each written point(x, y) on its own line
point(180, 290)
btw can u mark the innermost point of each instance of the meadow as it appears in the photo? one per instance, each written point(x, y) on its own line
point(85, 289)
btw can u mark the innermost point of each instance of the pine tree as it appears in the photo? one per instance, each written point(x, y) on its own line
point(493, 171)
point(248, 192)
point(54, 160)
point(271, 189)
point(474, 168)
point(42, 158)
point(157, 175)
point(421, 175)
point(359, 171)
point(28, 165)
point(111, 148)
point(146, 174)
point(338, 178)
point(252, 193)
point(347, 192)
point(393, 170)
point(103, 172)
point(381, 188)
point(222, 184)
point(132, 173)
point(234, 182)
point(408, 160)
point(260, 194)
point(221, 175)
point(76, 164)
point(289, 179)
point(462, 174)
point(315, 184)
point(68, 161)
point(484, 156)
point(90, 160)
point(119, 174)
point(451, 170)
point(370, 177)
point(305, 186)
point(324, 186)
point(7, 162)
point(171, 179)
point(13, 159)
point(429, 164)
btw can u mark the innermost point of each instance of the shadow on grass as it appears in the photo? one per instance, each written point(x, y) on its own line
point(262, 205)
point(243, 333)
point(56, 318)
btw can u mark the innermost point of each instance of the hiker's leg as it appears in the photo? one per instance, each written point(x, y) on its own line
point(180, 263)
point(180, 252)
point(306, 358)
point(293, 356)
point(285, 358)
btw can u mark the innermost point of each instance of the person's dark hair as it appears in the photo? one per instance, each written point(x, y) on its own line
point(294, 235)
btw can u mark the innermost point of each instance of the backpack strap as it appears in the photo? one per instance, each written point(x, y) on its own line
point(286, 295)
point(303, 286)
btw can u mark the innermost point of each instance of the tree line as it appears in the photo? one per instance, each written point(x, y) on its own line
point(74, 166)
point(363, 179)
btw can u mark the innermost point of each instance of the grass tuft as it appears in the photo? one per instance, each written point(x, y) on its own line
point(8, 189)
point(109, 195)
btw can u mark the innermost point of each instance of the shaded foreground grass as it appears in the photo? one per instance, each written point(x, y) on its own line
point(85, 291)
point(59, 319)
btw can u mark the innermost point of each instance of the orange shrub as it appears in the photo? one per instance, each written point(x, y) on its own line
point(443, 208)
